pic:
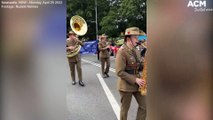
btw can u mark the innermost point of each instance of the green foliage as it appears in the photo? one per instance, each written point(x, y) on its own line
point(109, 24)
point(114, 16)
point(134, 12)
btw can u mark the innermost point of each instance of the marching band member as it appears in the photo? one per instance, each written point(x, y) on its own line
point(127, 61)
point(72, 43)
point(104, 55)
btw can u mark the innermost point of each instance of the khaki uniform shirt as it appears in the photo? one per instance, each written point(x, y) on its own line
point(126, 61)
point(104, 53)
point(74, 43)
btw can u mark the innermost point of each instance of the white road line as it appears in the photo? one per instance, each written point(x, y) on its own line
point(96, 64)
point(111, 57)
point(113, 102)
point(94, 55)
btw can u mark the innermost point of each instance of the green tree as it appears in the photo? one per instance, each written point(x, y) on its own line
point(133, 13)
point(109, 24)
point(86, 9)
point(123, 14)
point(114, 16)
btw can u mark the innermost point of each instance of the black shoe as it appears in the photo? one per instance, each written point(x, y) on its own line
point(106, 74)
point(81, 83)
point(73, 82)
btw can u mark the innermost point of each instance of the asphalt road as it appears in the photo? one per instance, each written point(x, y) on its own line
point(91, 102)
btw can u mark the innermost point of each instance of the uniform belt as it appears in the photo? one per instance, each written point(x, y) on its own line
point(133, 72)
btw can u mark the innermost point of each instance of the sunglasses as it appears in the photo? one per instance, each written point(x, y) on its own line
point(142, 38)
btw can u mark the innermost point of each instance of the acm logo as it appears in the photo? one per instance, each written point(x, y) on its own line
point(197, 3)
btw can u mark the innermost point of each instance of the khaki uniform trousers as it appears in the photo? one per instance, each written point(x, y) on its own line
point(79, 70)
point(105, 61)
point(126, 98)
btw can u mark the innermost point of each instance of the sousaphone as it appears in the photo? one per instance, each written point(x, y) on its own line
point(79, 27)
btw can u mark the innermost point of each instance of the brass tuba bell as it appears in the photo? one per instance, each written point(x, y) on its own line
point(78, 25)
